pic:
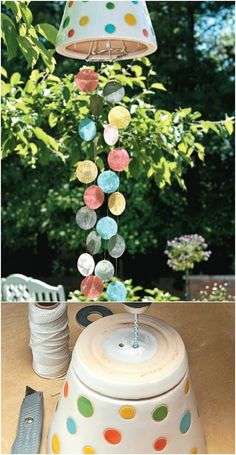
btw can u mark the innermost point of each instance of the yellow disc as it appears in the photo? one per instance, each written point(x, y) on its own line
point(86, 171)
point(186, 386)
point(55, 444)
point(127, 412)
point(119, 117)
point(116, 203)
point(88, 449)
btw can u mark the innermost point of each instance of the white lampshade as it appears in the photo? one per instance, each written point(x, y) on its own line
point(106, 31)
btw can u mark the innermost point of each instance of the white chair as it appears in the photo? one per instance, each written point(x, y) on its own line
point(20, 288)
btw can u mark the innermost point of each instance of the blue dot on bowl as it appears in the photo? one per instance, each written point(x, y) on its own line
point(110, 28)
point(71, 425)
point(185, 422)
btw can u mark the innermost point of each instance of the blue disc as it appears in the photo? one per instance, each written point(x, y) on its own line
point(71, 425)
point(106, 227)
point(185, 422)
point(87, 129)
point(116, 292)
point(108, 181)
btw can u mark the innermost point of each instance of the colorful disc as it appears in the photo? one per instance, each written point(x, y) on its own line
point(93, 242)
point(91, 287)
point(86, 218)
point(86, 264)
point(111, 135)
point(86, 80)
point(108, 181)
point(116, 292)
point(116, 246)
point(86, 171)
point(116, 203)
point(87, 129)
point(113, 92)
point(104, 270)
point(119, 117)
point(93, 197)
point(106, 227)
point(118, 159)
point(96, 105)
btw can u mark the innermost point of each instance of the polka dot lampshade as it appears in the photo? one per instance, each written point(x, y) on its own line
point(119, 30)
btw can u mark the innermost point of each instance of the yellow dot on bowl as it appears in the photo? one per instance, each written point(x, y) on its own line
point(88, 449)
point(56, 444)
point(186, 386)
point(127, 412)
point(194, 450)
point(83, 20)
point(130, 19)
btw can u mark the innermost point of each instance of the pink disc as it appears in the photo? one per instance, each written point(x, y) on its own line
point(91, 287)
point(93, 197)
point(118, 159)
point(86, 80)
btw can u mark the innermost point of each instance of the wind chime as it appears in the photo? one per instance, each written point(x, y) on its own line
point(98, 31)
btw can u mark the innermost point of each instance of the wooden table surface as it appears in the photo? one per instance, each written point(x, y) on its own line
point(207, 330)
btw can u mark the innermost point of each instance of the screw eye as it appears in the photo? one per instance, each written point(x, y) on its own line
point(29, 420)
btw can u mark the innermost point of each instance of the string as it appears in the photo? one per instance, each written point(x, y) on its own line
point(49, 338)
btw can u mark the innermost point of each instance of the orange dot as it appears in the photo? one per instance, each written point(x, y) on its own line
point(160, 444)
point(112, 436)
point(70, 4)
point(83, 20)
point(66, 389)
point(127, 412)
point(194, 450)
point(130, 19)
point(71, 33)
point(56, 444)
point(186, 386)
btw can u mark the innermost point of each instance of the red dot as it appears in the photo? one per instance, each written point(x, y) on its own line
point(112, 436)
point(160, 444)
point(66, 390)
point(71, 32)
point(145, 32)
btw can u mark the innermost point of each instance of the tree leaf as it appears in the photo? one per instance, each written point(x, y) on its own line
point(229, 126)
point(9, 36)
point(158, 86)
point(48, 31)
point(16, 9)
point(3, 72)
point(45, 138)
point(28, 50)
point(15, 78)
point(26, 14)
point(52, 119)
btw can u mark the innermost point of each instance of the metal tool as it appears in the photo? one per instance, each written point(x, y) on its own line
point(30, 424)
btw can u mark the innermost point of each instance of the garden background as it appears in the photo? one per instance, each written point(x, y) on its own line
point(181, 181)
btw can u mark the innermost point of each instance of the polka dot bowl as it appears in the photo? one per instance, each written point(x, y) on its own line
point(117, 399)
point(118, 22)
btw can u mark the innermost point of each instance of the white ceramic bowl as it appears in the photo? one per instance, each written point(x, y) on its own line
point(117, 399)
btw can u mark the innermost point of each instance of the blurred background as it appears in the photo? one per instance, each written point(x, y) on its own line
point(195, 63)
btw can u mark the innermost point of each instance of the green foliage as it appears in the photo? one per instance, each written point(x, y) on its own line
point(21, 36)
point(216, 293)
point(40, 121)
point(134, 294)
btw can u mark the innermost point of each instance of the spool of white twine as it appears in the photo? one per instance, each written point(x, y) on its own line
point(49, 339)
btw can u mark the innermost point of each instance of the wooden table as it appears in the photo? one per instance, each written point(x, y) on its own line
point(207, 330)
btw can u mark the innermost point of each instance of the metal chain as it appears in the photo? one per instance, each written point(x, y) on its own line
point(136, 328)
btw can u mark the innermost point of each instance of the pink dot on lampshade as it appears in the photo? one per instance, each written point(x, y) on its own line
point(145, 32)
point(91, 287)
point(118, 159)
point(93, 197)
point(86, 80)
